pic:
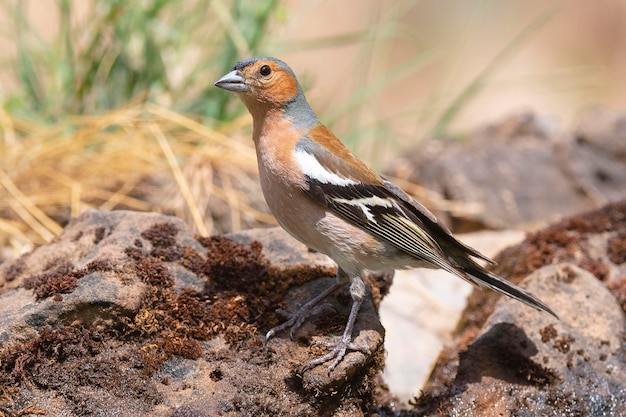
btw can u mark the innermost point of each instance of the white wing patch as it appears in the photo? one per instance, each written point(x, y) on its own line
point(312, 168)
point(366, 202)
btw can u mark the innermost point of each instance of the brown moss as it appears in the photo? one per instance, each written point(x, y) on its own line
point(564, 344)
point(565, 241)
point(161, 234)
point(52, 345)
point(616, 247)
point(99, 265)
point(168, 324)
point(58, 360)
point(548, 333)
point(61, 280)
point(234, 266)
point(134, 253)
point(175, 345)
point(122, 352)
point(192, 260)
point(278, 281)
point(168, 254)
point(228, 305)
point(596, 267)
point(154, 272)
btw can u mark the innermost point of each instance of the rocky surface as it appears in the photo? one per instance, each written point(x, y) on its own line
point(128, 314)
point(522, 362)
point(522, 170)
point(422, 310)
point(509, 360)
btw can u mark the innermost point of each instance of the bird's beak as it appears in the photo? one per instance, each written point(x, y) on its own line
point(233, 81)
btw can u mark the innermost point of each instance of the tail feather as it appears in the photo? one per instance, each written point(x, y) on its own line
point(491, 280)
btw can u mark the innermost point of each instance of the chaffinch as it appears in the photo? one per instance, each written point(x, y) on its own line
point(327, 198)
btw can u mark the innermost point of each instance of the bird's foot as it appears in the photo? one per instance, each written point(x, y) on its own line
point(295, 320)
point(337, 352)
point(339, 349)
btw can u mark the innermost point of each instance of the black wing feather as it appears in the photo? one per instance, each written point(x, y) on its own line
point(388, 213)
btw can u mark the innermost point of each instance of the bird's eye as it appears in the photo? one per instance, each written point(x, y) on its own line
point(265, 70)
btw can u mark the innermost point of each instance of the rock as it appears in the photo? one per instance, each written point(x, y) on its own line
point(523, 362)
point(603, 129)
point(421, 312)
point(507, 359)
point(522, 171)
point(129, 314)
point(596, 154)
point(594, 241)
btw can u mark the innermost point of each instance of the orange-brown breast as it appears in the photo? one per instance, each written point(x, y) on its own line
point(275, 138)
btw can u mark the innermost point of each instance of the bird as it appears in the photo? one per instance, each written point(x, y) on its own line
point(330, 200)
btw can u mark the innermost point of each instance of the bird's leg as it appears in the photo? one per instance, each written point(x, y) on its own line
point(339, 349)
point(296, 319)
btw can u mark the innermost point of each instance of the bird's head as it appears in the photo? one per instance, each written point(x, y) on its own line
point(264, 84)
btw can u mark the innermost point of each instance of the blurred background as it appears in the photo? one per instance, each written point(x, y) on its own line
point(110, 104)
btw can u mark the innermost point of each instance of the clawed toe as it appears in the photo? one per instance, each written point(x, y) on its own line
point(295, 320)
point(340, 348)
point(314, 306)
point(291, 323)
point(337, 352)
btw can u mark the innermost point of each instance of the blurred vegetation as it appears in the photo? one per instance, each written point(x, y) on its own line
point(118, 109)
point(158, 49)
point(110, 113)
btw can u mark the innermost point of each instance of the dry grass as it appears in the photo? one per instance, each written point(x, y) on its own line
point(140, 157)
point(137, 157)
